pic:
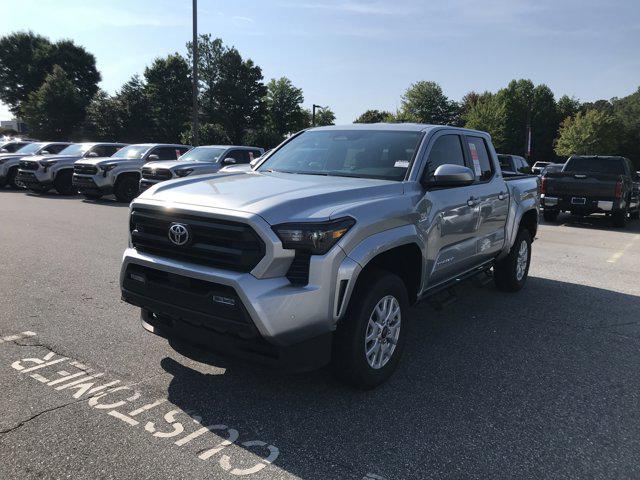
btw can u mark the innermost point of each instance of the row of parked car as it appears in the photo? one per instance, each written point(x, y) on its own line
point(103, 168)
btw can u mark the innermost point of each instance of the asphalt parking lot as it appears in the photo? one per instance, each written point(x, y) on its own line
point(540, 384)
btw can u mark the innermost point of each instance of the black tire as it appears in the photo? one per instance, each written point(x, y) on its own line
point(506, 273)
point(635, 215)
point(63, 183)
point(619, 218)
point(349, 362)
point(551, 215)
point(92, 196)
point(40, 189)
point(11, 178)
point(127, 188)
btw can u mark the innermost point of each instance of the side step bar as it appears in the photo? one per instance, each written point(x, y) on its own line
point(481, 276)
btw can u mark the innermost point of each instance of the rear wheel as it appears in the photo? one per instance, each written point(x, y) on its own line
point(510, 273)
point(619, 218)
point(370, 339)
point(635, 215)
point(126, 188)
point(551, 215)
point(63, 182)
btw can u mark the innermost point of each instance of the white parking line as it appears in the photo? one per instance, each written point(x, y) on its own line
point(618, 255)
point(12, 338)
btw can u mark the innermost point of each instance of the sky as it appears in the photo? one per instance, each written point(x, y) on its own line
point(354, 55)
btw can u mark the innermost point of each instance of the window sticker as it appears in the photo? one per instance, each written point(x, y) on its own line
point(401, 164)
point(476, 159)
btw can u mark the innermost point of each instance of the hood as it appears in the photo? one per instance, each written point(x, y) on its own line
point(277, 197)
point(14, 155)
point(64, 158)
point(174, 165)
point(100, 160)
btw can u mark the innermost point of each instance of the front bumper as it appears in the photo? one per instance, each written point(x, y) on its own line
point(87, 184)
point(579, 205)
point(30, 180)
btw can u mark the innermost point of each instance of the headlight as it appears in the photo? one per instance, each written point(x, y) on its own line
point(107, 168)
point(184, 172)
point(47, 163)
point(317, 238)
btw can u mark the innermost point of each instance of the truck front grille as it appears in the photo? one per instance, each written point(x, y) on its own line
point(85, 169)
point(156, 174)
point(210, 241)
point(26, 165)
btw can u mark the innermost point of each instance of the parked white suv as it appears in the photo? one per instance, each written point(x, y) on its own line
point(120, 174)
point(198, 161)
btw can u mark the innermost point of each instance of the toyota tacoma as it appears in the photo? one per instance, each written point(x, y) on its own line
point(198, 161)
point(9, 162)
point(314, 256)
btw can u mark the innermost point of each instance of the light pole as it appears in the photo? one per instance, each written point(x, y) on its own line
point(313, 113)
point(194, 75)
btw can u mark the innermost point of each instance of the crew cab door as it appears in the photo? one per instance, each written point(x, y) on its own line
point(448, 223)
point(489, 196)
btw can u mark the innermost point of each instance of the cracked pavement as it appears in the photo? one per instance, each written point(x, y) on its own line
point(539, 384)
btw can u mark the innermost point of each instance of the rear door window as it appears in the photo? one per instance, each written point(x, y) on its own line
point(480, 160)
point(105, 150)
point(165, 153)
point(595, 165)
point(55, 149)
point(447, 149)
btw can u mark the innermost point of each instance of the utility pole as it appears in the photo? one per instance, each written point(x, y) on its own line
point(194, 75)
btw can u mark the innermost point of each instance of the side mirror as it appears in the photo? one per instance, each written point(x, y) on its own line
point(254, 162)
point(229, 161)
point(92, 155)
point(449, 175)
point(45, 152)
point(153, 158)
point(4, 150)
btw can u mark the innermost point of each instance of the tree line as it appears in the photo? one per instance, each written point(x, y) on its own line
point(559, 128)
point(53, 87)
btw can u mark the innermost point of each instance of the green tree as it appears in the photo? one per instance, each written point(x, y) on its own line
point(103, 121)
point(239, 95)
point(56, 109)
point(487, 113)
point(26, 59)
point(134, 112)
point(627, 111)
point(591, 133)
point(210, 50)
point(325, 116)
point(168, 88)
point(517, 99)
point(283, 103)
point(567, 107)
point(426, 103)
point(208, 133)
point(544, 124)
point(374, 116)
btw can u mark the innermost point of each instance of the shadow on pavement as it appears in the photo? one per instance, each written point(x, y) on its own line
point(597, 222)
point(539, 384)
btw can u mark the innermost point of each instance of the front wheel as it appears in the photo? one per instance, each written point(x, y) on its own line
point(126, 189)
point(370, 339)
point(510, 273)
point(63, 183)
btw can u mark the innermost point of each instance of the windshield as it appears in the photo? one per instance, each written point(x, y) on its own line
point(203, 154)
point(595, 165)
point(132, 151)
point(76, 149)
point(349, 153)
point(31, 148)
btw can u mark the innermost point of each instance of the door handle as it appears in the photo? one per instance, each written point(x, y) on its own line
point(502, 195)
point(473, 201)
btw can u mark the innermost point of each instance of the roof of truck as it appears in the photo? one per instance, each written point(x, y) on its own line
point(398, 127)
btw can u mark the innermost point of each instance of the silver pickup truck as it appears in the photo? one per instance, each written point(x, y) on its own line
point(315, 255)
point(198, 161)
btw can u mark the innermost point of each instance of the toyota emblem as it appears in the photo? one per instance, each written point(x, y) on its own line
point(178, 234)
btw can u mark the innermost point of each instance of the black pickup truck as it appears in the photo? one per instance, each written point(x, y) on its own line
point(592, 184)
